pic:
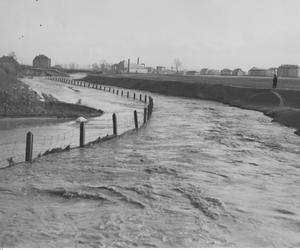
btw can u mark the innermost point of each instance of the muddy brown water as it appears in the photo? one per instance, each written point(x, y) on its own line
point(200, 174)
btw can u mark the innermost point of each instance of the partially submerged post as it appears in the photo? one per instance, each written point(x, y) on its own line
point(134, 96)
point(82, 121)
point(149, 114)
point(145, 115)
point(151, 104)
point(29, 147)
point(82, 135)
point(136, 124)
point(122, 93)
point(127, 94)
point(114, 118)
point(140, 97)
point(145, 98)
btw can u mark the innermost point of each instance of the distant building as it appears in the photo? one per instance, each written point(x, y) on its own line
point(289, 71)
point(133, 67)
point(238, 72)
point(169, 72)
point(213, 72)
point(257, 72)
point(137, 68)
point(119, 67)
point(159, 69)
point(58, 66)
point(191, 73)
point(203, 71)
point(226, 72)
point(149, 69)
point(271, 72)
point(115, 68)
point(41, 61)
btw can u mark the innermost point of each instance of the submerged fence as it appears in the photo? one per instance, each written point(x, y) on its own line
point(77, 137)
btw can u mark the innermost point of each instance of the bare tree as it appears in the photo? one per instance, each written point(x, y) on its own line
point(95, 66)
point(177, 63)
point(104, 66)
point(72, 66)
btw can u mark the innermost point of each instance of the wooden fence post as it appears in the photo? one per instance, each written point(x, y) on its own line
point(133, 96)
point(151, 104)
point(117, 92)
point(145, 115)
point(29, 147)
point(149, 114)
point(145, 98)
point(113, 91)
point(140, 97)
point(115, 129)
point(127, 94)
point(82, 135)
point(136, 124)
point(122, 93)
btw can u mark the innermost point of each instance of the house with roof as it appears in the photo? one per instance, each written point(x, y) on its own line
point(160, 69)
point(203, 71)
point(213, 72)
point(226, 72)
point(238, 72)
point(41, 61)
point(270, 72)
point(288, 70)
point(191, 73)
point(257, 72)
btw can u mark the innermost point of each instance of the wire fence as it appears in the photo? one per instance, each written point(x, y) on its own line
point(68, 135)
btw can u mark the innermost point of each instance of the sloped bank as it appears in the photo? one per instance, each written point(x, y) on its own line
point(283, 105)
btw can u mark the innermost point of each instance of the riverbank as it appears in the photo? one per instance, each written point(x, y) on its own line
point(18, 100)
point(283, 104)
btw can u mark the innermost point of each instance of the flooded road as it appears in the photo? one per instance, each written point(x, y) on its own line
point(200, 174)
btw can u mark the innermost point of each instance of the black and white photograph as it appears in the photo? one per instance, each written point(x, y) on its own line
point(149, 124)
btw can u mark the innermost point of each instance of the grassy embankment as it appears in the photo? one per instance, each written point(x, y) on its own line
point(254, 93)
point(17, 100)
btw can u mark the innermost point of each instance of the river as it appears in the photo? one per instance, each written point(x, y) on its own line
point(200, 174)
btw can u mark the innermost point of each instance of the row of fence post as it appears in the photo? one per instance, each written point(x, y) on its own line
point(147, 114)
point(95, 86)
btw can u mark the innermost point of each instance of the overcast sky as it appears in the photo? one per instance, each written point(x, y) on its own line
point(202, 33)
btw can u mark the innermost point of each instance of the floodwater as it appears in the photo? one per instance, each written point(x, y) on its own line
point(52, 133)
point(200, 174)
